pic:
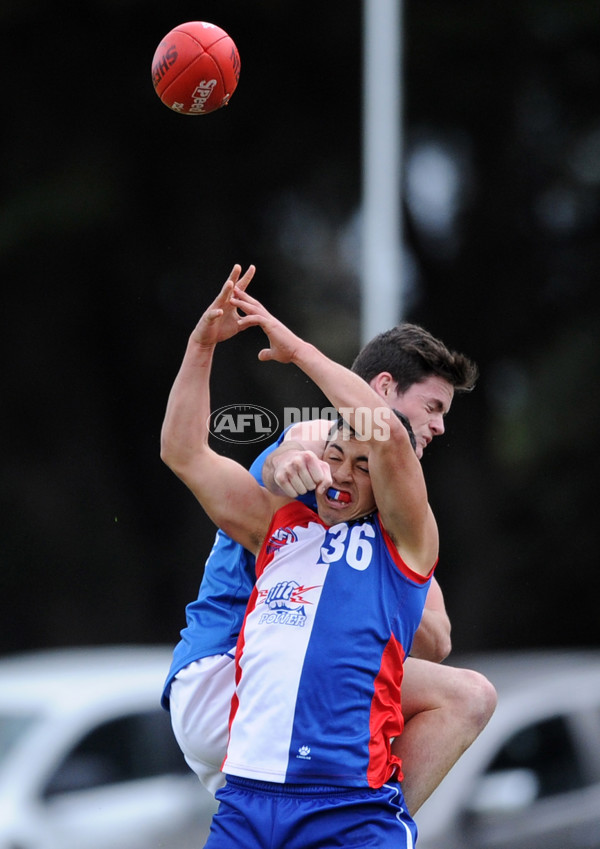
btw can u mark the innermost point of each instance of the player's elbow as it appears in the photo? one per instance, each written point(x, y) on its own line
point(432, 640)
point(443, 640)
point(168, 452)
point(181, 460)
point(442, 647)
point(436, 650)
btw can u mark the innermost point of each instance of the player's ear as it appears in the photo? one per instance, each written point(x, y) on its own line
point(384, 384)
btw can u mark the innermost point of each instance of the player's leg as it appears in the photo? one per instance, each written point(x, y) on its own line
point(445, 708)
point(200, 700)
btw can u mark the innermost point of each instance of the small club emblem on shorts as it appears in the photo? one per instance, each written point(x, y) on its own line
point(304, 753)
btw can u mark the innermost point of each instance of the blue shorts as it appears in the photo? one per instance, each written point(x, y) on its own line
point(262, 815)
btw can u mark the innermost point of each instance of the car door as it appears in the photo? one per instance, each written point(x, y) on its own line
point(125, 785)
point(541, 791)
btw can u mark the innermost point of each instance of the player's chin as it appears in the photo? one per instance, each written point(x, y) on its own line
point(331, 512)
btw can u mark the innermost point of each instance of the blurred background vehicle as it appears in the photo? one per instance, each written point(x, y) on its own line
point(532, 779)
point(87, 756)
point(88, 759)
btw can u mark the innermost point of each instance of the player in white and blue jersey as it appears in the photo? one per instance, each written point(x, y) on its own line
point(318, 670)
point(413, 372)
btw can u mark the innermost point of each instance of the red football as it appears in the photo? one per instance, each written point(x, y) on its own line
point(196, 68)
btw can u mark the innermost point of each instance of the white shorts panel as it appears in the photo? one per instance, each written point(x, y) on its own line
point(200, 700)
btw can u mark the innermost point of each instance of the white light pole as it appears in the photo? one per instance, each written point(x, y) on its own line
point(381, 273)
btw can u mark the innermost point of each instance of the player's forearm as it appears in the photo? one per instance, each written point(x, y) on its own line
point(344, 389)
point(185, 427)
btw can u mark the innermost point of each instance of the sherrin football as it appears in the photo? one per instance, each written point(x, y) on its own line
point(196, 68)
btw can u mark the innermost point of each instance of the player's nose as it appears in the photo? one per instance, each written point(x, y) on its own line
point(436, 425)
point(343, 472)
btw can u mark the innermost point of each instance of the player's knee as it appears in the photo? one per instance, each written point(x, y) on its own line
point(478, 698)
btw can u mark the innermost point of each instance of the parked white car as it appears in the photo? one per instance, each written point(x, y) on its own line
point(87, 756)
point(532, 779)
point(88, 759)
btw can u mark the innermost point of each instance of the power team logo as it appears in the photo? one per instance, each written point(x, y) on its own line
point(286, 604)
point(243, 423)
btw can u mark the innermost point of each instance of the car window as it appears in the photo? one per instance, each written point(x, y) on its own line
point(545, 749)
point(132, 747)
point(12, 728)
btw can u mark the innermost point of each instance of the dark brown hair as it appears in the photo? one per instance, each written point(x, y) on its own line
point(411, 354)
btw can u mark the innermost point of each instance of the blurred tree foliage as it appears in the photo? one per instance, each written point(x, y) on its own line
point(119, 219)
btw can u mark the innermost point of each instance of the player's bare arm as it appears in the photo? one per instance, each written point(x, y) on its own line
point(396, 474)
point(432, 641)
point(229, 494)
point(289, 470)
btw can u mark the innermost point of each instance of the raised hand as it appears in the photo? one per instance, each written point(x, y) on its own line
point(220, 321)
point(282, 342)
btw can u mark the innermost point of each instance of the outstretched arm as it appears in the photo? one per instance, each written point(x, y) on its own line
point(228, 493)
point(396, 474)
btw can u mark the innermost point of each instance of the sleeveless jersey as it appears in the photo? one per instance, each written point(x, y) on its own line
point(319, 659)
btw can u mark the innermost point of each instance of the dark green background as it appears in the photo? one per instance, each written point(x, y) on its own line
point(120, 219)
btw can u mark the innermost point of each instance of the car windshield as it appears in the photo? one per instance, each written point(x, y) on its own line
point(12, 728)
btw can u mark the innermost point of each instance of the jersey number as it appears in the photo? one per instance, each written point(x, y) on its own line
point(355, 546)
